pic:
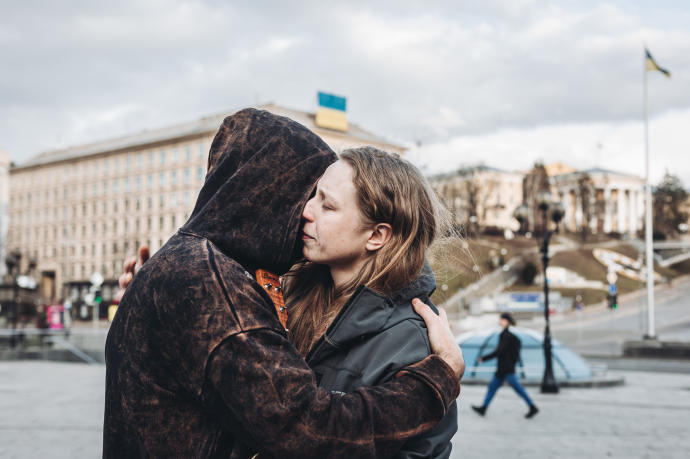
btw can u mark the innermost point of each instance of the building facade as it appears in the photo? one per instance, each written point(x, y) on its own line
point(480, 194)
point(84, 209)
point(4, 206)
point(616, 200)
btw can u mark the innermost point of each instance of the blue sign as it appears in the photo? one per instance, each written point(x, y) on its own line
point(332, 101)
point(526, 297)
point(613, 289)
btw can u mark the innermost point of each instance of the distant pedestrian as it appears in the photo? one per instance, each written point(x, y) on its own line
point(508, 353)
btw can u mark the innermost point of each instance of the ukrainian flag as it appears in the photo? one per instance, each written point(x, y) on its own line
point(651, 64)
point(331, 113)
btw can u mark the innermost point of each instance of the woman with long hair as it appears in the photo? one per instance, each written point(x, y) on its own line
point(366, 233)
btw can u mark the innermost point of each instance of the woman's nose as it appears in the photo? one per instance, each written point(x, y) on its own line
point(307, 212)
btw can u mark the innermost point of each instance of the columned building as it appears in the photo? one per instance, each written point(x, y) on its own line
point(615, 200)
point(84, 209)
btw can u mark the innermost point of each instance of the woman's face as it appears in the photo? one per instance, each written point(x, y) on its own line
point(334, 233)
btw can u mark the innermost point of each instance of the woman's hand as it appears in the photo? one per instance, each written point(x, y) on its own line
point(129, 269)
point(440, 337)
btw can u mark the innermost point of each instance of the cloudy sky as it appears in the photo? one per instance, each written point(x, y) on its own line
point(503, 82)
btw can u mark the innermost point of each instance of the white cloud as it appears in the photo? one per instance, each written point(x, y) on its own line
point(436, 72)
point(617, 146)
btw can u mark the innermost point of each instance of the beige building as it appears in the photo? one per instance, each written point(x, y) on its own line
point(616, 200)
point(84, 209)
point(489, 194)
point(4, 204)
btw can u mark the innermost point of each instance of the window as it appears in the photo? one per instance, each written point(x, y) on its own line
point(150, 158)
point(115, 186)
point(126, 184)
point(162, 157)
point(174, 155)
point(187, 197)
point(138, 182)
point(201, 150)
point(199, 173)
point(173, 178)
point(139, 160)
point(161, 179)
point(149, 180)
point(187, 175)
point(187, 153)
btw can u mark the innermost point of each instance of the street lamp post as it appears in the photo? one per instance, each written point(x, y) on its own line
point(549, 385)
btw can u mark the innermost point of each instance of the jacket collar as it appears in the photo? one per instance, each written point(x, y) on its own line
point(368, 312)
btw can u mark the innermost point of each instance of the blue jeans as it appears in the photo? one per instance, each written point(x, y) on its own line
point(512, 380)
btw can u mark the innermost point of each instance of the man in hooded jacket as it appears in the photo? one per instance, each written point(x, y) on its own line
point(197, 361)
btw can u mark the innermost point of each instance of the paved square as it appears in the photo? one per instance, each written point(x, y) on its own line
point(55, 410)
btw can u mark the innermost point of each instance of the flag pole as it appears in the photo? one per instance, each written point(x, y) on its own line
point(651, 333)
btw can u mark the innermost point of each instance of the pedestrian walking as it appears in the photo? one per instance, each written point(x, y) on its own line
point(508, 353)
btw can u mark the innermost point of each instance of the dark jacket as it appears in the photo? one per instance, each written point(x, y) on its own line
point(508, 353)
point(371, 339)
point(197, 362)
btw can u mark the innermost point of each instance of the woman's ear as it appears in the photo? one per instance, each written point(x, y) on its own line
point(379, 236)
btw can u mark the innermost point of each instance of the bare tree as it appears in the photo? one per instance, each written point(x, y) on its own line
point(585, 192)
point(535, 181)
point(669, 198)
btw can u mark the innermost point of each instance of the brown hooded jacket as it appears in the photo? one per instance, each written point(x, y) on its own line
point(198, 364)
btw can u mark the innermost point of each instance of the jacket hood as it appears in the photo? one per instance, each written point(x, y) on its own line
point(261, 172)
point(368, 313)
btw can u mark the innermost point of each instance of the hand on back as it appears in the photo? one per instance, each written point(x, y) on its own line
point(440, 337)
point(130, 268)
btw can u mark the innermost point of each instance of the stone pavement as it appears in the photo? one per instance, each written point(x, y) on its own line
point(648, 417)
point(55, 410)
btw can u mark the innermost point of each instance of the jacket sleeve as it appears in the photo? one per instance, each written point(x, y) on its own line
point(262, 390)
point(500, 349)
point(435, 443)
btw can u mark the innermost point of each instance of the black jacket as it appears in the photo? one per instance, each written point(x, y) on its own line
point(508, 353)
point(370, 340)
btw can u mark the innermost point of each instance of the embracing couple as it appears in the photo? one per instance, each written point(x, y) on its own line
point(201, 360)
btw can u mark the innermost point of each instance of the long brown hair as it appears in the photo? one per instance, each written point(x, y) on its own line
point(389, 190)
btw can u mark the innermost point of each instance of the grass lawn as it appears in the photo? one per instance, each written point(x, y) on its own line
point(454, 262)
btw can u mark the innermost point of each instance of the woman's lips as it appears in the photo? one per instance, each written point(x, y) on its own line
point(305, 236)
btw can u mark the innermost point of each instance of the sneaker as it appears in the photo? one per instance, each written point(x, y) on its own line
point(479, 409)
point(532, 411)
